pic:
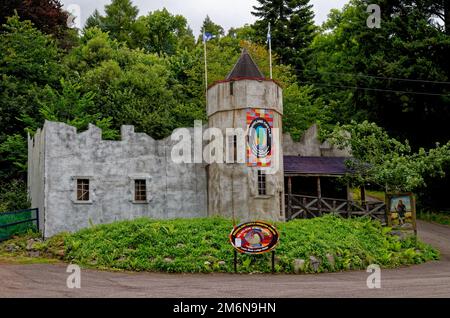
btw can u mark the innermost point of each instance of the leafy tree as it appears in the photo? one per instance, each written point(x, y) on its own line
point(395, 76)
point(130, 86)
point(72, 107)
point(209, 26)
point(13, 156)
point(13, 196)
point(445, 15)
point(302, 109)
point(29, 60)
point(440, 9)
point(292, 25)
point(384, 161)
point(46, 15)
point(163, 33)
point(119, 20)
point(245, 33)
point(94, 20)
point(28, 54)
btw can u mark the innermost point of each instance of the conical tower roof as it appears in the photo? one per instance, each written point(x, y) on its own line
point(245, 68)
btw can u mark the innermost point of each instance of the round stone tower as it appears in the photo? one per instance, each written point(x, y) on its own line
point(250, 184)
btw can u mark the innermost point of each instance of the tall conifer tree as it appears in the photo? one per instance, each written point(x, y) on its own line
point(292, 24)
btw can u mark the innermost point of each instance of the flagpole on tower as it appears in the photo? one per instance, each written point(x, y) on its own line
point(269, 39)
point(206, 65)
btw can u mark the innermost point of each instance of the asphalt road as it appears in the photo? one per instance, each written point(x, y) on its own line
point(426, 280)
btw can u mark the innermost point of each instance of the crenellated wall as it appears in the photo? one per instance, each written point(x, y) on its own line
point(58, 155)
point(311, 146)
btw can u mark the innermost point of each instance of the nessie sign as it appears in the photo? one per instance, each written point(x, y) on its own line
point(254, 238)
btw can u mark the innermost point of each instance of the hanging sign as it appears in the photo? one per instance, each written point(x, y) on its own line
point(254, 238)
point(259, 137)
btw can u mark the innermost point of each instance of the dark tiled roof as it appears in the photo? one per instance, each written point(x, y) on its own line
point(315, 165)
point(245, 67)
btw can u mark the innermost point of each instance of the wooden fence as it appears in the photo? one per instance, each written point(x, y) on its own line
point(305, 207)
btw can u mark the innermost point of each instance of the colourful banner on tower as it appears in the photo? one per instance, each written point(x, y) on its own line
point(259, 138)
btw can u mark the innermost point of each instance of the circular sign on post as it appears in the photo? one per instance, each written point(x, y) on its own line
point(254, 237)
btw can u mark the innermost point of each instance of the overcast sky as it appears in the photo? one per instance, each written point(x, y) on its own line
point(227, 13)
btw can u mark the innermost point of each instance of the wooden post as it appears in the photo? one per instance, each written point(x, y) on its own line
point(319, 188)
point(319, 195)
point(349, 208)
point(363, 194)
point(364, 203)
point(289, 214)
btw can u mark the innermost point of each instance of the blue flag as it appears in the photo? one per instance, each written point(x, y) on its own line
point(207, 36)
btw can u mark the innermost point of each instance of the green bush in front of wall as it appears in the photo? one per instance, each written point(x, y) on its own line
point(202, 246)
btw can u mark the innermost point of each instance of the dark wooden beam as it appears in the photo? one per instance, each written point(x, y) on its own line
point(289, 197)
point(363, 194)
point(319, 194)
point(319, 188)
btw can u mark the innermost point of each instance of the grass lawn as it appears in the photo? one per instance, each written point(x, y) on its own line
point(16, 229)
point(441, 218)
point(202, 246)
point(25, 260)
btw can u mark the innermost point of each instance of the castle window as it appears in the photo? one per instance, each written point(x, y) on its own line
point(231, 88)
point(140, 190)
point(235, 149)
point(83, 190)
point(262, 184)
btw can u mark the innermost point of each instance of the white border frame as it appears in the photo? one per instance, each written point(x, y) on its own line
point(132, 180)
point(74, 184)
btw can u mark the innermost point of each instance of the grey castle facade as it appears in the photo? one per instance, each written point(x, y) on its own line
point(76, 179)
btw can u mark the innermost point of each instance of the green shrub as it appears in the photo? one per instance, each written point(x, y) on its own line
point(202, 246)
point(438, 217)
point(13, 196)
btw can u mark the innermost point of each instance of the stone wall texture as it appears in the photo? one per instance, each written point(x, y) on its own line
point(233, 188)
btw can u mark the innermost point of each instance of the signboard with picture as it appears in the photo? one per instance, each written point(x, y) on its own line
point(254, 238)
point(401, 211)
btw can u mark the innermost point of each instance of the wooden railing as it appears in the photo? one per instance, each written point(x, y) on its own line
point(305, 207)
